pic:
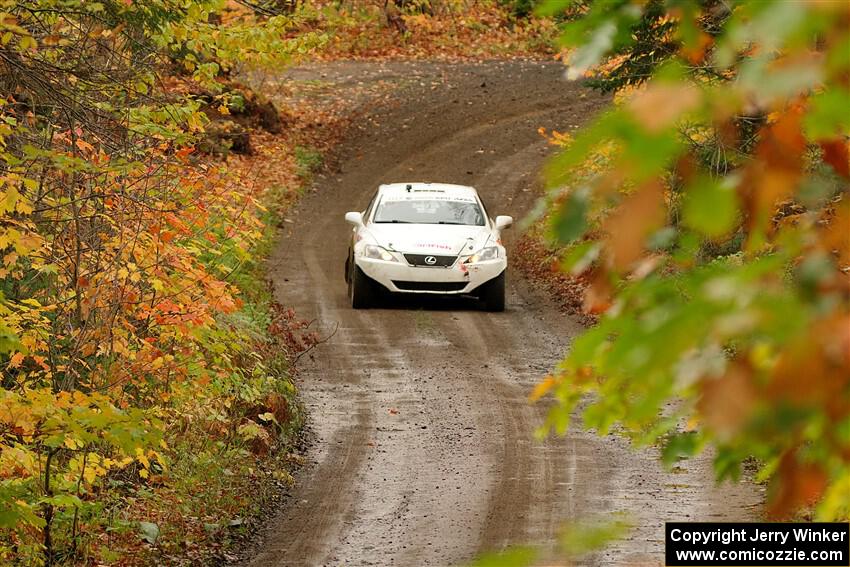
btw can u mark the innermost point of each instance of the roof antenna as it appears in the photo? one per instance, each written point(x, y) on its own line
point(409, 187)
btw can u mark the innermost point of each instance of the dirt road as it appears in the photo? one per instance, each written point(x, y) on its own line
point(425, 453)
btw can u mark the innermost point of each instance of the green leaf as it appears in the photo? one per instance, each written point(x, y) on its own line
point(590, 53)
point(513, 557)
point(9, 341)
point(149, 532)
point(580, 257)
point(680, 446)
point(553, 7)
point(570, 222)
point(63, 501)
point(710, 207)
point(828, 115)
point(584, 537)
point(727, 465)
point(14, 512)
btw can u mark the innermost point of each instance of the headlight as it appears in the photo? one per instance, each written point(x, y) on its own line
point(378, 253)
point(489, 253)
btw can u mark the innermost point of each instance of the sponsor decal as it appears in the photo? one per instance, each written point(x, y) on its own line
point(433, 245)
point(420, 197)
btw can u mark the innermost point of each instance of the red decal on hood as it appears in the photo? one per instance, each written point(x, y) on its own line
point(433, 245)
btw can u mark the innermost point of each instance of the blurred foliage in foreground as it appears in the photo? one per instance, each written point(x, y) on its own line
point(709, 211)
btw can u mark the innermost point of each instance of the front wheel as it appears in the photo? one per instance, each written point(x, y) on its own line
point(348, 262)
point(361, 289)
point(493, 293)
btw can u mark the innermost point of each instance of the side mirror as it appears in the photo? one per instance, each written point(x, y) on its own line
point(503, 222)
point(354, 218)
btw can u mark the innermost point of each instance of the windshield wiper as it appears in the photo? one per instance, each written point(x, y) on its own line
point(450, 222)
point(392, 221)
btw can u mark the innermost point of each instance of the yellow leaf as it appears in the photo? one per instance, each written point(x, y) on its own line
point(10, 237)
point(542, 388)
point(23, 206)
point(161, 460)
point(90, 474)
point(142, 458)
point(10, 198)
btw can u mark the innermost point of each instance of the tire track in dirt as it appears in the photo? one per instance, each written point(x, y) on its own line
point(424, 451)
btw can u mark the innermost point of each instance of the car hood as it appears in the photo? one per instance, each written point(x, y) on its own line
point(445, 239)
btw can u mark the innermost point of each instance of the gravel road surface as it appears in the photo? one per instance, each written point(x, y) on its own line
point(424, 448)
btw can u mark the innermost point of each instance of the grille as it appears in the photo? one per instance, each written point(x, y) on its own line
point(439, 261)
point(430, 286)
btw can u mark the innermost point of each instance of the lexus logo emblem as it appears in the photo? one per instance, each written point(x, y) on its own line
point(430, 260)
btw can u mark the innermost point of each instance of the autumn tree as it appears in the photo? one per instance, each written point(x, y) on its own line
point(118, 249)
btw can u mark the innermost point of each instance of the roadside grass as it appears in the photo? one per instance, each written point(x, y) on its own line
point(308, 160)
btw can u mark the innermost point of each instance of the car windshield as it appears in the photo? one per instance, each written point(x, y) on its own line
point(430, 211)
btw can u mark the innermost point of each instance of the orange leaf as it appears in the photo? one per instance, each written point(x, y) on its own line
point(542, 388)
point(696, 54)
point(83, 145)
point(835, 153)
point(183, 153)
point(796, 485)
point(773, 176)
point(726, 403)
point(661, 105)
point(628, 228)
point(41, 361)
point(16, 360)
point(598, 296)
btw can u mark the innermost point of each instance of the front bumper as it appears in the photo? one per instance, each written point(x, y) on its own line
point(458, 279)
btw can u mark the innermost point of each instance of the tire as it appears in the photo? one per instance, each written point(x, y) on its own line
point(347, 272)
point(361, 289)
point(493, 293)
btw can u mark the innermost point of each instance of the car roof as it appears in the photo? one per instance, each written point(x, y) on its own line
point(419, 190)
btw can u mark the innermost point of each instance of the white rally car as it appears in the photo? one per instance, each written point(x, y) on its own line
point(430, 238)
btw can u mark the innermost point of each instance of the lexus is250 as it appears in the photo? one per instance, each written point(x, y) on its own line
point(426, 238)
